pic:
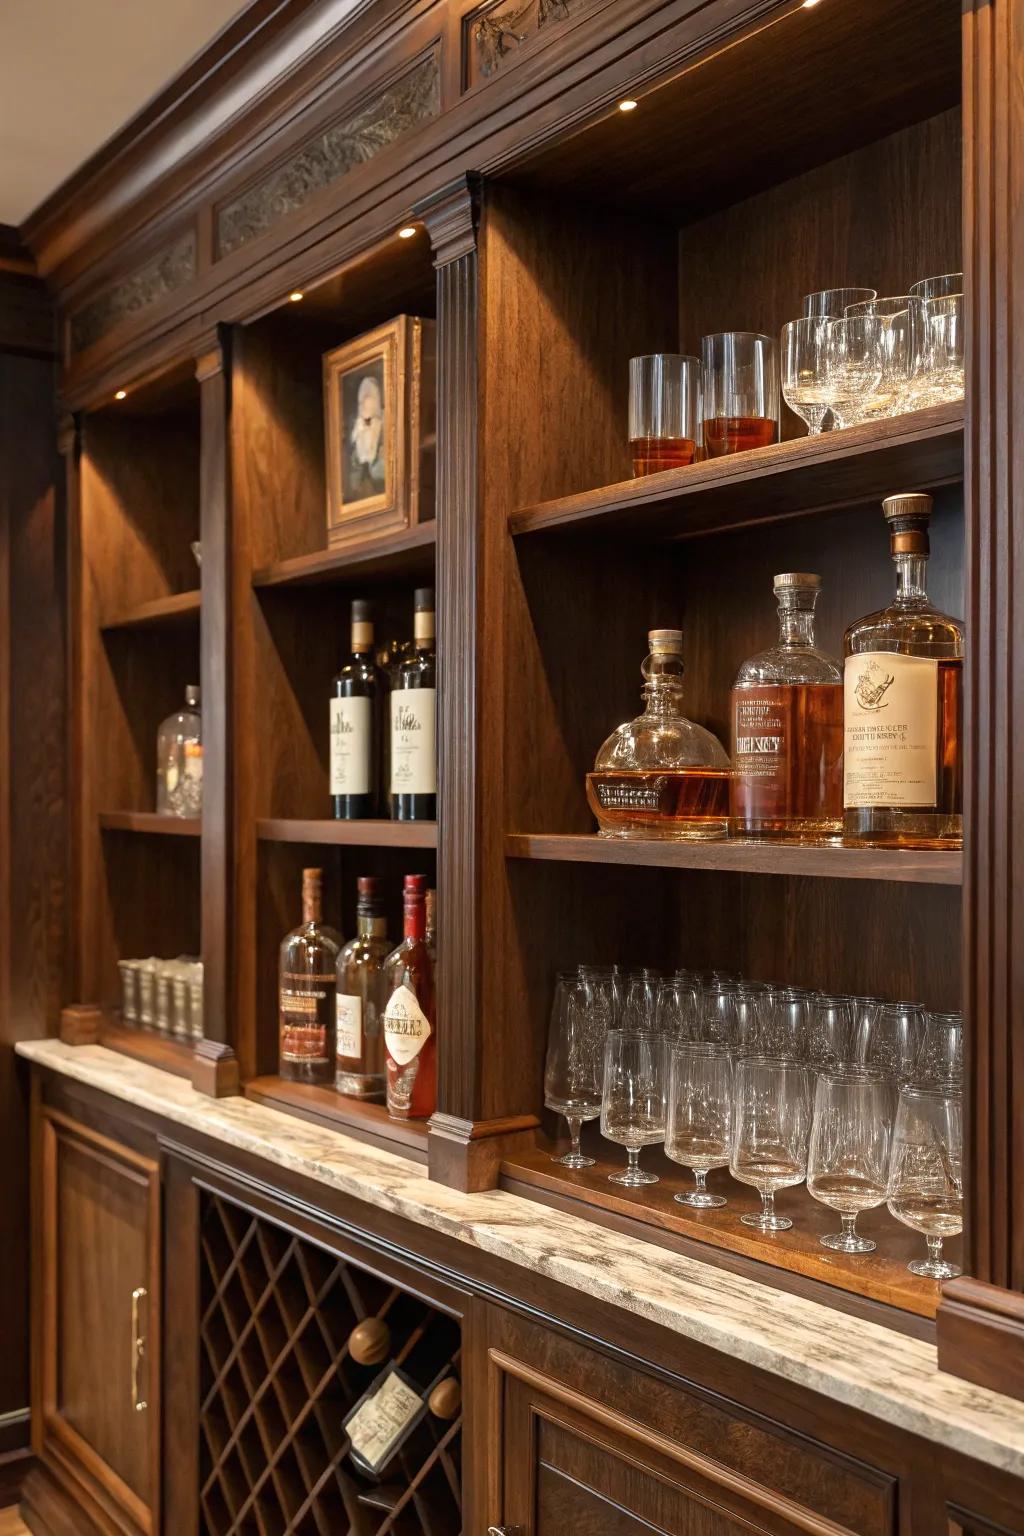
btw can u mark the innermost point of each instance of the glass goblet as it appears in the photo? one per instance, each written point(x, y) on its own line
point(944, 347)
point(828, 1032)
point(771, 1124)
point(575, 1063)
point(856, 357)
point(938, 287)
point(718, 1023)
point(925, 1189)
point(804, 357)
point(633, 1101)
point(698, 1129)
point(783, 1023)
point(940, 1061)
point(903, 333)
point(640, 1003)
point(848, 1157)
point(676, 1012)
point(891, 1040)
point(831, 303)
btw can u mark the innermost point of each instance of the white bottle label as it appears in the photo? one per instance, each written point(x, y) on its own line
point(350, 1026)
point(406, 1026)
point(351, 727)
point(377, 1426)
point(413, 753)
point(890, 730)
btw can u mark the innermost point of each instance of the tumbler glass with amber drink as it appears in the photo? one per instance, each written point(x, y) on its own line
point(664, 411)
point(660, 776)
point(740, 388)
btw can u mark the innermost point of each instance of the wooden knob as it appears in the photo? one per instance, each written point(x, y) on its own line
point(446, 1399)
point(369, 1341)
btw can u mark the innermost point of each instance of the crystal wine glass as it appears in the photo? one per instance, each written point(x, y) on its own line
point(783, 1018)
point(718, 1025)
point(633, 1102)
point(944, 347)
point(699, 1126)
point(891, 1040)
point(828, 1032)
point(848, 1157)
point(926, 1172)
point(771, 1123)
point(940, 1060)
point(640, 1007)
point(831, 303)
point(938, 287)
point(676, 1012)
point(575, 1062)
point(804, 357)
point(856, 356)
point(903, 331)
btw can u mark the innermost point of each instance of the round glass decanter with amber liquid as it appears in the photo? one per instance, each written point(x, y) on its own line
point(661, 776)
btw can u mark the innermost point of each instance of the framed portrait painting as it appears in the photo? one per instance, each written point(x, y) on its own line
point(379, 429)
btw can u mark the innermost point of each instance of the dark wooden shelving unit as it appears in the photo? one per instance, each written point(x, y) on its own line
point(153, 1047)
point(400, 556)
point(322, 1105)
point(180, 608)
point(350, 834)
point(741, 857)
point(152, 823)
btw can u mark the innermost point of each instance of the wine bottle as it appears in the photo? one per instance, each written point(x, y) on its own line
point(355, 715)
point(413, 752)
point(306, 988)
point(418, 1379)
point(410, 1040)
point(361, 998)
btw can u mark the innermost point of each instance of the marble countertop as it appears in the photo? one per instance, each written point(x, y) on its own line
point(859, 1363)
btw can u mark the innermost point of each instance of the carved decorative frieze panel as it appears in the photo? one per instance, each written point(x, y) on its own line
point(497, 30)
point(165, 272)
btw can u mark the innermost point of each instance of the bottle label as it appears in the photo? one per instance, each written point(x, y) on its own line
point(303, 1033)
point(413, 754)
point(891, 705)
point(351, 730)
point(350, 1026)
point(406, 1026)
point(381, 1420)
point(787, 752)
point(762, 741)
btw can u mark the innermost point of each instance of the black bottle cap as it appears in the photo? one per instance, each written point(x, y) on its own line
point(423, 601)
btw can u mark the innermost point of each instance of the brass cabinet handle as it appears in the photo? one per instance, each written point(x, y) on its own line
point(138, 1348)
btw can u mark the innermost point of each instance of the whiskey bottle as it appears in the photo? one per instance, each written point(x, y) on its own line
point(660, 776)
point(412, 752)
point(787, 729)
point(361, 996)
point(179, 760)
point(903, 706)
point(356, 698)
point(409, 1037)
point(307, 975)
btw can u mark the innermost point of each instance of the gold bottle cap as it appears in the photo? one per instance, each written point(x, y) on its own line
point(908, 515)
point(787, 580)
point(907, 504)
point(665, 642)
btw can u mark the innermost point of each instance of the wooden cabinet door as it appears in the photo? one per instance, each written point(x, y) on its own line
point(97, 1417)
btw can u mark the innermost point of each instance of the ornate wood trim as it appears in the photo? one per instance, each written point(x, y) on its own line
point(165, 271)
point(80, 1024)
point(215, 1069)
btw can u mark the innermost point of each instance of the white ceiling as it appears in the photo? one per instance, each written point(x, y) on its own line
point(72, 72)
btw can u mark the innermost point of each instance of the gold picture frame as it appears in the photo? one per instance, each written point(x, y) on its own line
point(379, 392)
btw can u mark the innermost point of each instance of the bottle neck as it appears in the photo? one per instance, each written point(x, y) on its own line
point(362, 637)
point(663, 698)
point(311, 905)
point(415, 918)
point(796, 627)
point(911, 574)
point(370, 925)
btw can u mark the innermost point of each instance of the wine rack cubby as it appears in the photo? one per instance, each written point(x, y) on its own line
point(278, 1380)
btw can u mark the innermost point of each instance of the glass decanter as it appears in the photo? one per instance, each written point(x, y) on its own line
point(660, 776)
point(787, 728)
point(179, 760)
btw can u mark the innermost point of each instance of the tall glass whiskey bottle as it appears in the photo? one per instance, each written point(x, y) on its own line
point(356, 695)
point(412, 747)
point(307, 974)
point(361, 998)
point(903, 710)
point(409, 1037)
point(787, 729)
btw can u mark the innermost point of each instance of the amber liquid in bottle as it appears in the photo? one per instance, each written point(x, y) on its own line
point(362, 997)
point(659, 803)
point(651, 454)
point(410, 1036)
point(306, 992)
point(735, 434)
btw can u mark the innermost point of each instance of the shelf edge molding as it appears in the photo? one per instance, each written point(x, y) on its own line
point(407, 553)
point(350, 834)
point(151, 823)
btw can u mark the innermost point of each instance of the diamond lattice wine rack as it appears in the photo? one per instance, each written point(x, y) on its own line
point(279, 1380)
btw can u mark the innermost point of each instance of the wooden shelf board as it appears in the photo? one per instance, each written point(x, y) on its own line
point(881, 1276)
point(154, 1048)
point(406, 554)
point(353, 834)
point(150, 822)
point(928, 867)
point(161, 613)
point(352, 1117)
point(918, 451)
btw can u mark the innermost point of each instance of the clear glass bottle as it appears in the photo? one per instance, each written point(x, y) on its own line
point(307, 979)
point(787, 729)
point(355, 716)
point(903, 706)
point(661, 776)
point(412, 748)
point(410, 1038)
point(179, 760)
point(362, 996)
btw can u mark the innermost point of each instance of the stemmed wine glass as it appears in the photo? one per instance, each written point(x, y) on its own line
point(698, 1129)
point(718, 1023)
point(676, 1012)
point(926, 1172)
point(782, 1023)
point(848, 1158)
point(902, 317)
point(830, 303)
point(575, 1061)
point(856, 358)
point(639, 1008)
point(941, 1057)
point(771, 1122)
point(633, 1101)
point(827, 1032)
point(804, 359)
point(891, 1039)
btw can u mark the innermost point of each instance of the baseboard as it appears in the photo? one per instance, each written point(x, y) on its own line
point(49, 1509)
point(15, 1467)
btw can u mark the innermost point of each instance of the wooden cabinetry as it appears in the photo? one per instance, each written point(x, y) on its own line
point(97, 1278)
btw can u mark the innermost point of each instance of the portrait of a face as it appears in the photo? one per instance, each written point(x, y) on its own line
point(364, 444)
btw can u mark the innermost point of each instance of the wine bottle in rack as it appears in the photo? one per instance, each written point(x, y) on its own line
point(420, 1378)
point(412, 736)
point(355, 718)
point(306, 991)
point(410, 1039)
point(361, 998)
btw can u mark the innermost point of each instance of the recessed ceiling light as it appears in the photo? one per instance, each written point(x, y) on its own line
point(407, 231)
point(810, 4)
point(295, 296)
point(121, 394)
point(627, 106)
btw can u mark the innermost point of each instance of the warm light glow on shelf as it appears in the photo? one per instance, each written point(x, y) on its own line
point(627, 106)
point(294, 296)
point(810, 4)
point(121, 394)
point(407, 231)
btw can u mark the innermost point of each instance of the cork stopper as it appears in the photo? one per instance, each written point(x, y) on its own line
point(369, 895)
point(665, 642)
point(423, 615)
point(362, 625)
point(786, 581)
point(908, 514)
point(312, 892)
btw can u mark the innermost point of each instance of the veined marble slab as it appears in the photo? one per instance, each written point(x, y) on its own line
point(859, 1363)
